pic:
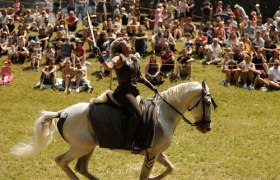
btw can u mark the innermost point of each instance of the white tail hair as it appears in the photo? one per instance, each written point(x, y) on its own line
point(44, 128)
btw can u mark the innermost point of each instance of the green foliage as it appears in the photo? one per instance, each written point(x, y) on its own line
point(243, 143)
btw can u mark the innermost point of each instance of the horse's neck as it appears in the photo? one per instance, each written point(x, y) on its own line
point(181, 100)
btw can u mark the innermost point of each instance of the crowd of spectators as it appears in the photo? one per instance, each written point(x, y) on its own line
point(243, 43)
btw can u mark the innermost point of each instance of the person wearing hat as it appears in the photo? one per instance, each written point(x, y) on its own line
point(258, 11)
point(79, 53)
point(28, 20)
point(6, 75)
point(124, 16)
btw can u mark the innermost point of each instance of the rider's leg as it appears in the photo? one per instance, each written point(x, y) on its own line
point(129, 103)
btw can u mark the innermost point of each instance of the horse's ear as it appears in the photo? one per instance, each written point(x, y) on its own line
point(203, 85)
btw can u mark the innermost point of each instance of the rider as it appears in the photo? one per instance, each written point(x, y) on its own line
point(128, 73)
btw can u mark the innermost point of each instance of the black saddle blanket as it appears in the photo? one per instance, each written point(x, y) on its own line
point(109, 123)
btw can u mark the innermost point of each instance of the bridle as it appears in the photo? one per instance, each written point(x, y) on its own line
point(204, 94)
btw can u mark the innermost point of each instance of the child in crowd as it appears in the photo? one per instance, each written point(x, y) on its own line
point(6, 73)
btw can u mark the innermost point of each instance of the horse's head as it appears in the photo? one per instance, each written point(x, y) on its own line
point(201, 109)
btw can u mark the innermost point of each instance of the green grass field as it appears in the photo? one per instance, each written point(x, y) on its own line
point(243, 144)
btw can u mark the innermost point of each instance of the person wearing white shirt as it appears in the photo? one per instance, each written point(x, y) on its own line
point(274, 75)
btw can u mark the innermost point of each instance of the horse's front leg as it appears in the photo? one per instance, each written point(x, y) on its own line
point(162, 159)
point(148, 165)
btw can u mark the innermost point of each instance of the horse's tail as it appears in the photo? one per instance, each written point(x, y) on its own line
point(44, 128)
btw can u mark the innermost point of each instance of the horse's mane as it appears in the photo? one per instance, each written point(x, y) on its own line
point(176, 93)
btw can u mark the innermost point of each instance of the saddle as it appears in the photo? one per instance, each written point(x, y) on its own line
point(110, 121)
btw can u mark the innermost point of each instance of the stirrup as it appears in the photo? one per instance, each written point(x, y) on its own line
point(135, 149)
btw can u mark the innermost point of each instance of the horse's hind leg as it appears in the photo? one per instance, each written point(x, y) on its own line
point(162, 159)
point(64, 159)
point(82, 166)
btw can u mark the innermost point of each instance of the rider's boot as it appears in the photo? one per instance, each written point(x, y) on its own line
point(130, 141)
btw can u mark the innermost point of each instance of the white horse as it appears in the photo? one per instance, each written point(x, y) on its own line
point(78, 132)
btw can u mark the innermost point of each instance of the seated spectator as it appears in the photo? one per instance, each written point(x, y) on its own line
point(72, 22)
point(43, 38)
point(188, 44)
point(184, 65)
point(48, 75)
point(79, 53)
point(261, 68)
point(132, 26)
point(68, 74)
point(189, 27)
point(274, 75)
point(3, 41)
point(232, 40)
point(214, 53)
point(168, 38)
point(18, 53)
point(6, 73)
point(49, 54)
point(106, 57)
point(200, 43)
point(258, 41)
point(247, 74)
point(58, 54)
point(81, 76)
point(152, 70)
point(273, 58)
point(157, 42)
point(67, 49)
point(231, 70)
point(36, 57)
point(140, 41)
point(176, 30)
point(167, 61)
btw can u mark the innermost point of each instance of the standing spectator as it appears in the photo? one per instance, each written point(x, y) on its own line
point(48, 75)
point(274, 75)
point(80, 7)
point(207, 10)
point(56, 6)
point(70, 5)
point(92, 5)
point(219, 8)
point(258, 12)
point(189, 8)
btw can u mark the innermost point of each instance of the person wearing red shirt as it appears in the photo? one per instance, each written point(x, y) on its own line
point(72, 21)
point(80, 52)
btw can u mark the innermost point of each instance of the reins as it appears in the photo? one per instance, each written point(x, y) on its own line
point(182, 116)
